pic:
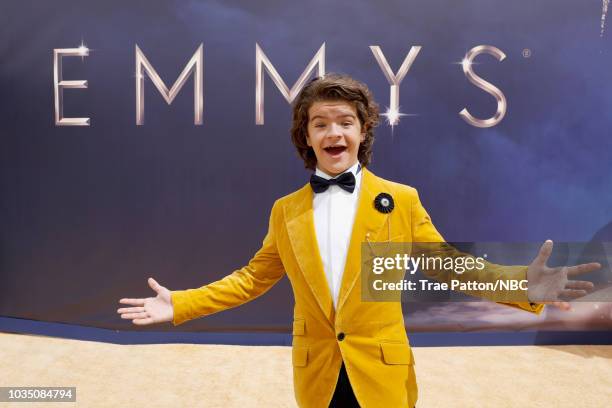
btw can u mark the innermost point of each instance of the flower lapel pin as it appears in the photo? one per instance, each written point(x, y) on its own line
point(384, 203)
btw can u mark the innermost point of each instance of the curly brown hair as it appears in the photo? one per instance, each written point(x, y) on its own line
point(334, 87)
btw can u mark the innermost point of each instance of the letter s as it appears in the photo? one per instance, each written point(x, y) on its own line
point(502, 105)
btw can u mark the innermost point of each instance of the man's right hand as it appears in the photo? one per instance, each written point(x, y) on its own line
point(149, 310)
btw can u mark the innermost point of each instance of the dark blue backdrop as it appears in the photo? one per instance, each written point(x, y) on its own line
point(87, 214)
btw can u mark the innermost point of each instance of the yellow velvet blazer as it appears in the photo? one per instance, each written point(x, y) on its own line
point(370, 337)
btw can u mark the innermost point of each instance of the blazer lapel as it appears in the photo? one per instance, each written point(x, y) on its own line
point(367, 225)
point(299, 216)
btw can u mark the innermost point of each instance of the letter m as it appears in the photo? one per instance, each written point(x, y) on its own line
point(194, 66)
point(262, 61)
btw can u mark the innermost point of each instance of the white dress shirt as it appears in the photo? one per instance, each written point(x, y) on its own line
point(334, 215)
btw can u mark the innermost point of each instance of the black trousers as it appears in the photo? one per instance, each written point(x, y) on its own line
point(343, 395)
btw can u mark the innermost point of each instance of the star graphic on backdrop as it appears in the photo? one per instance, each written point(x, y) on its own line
point(604, 13)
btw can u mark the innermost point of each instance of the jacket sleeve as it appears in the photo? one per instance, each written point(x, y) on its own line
point(423, 231)
point(243, 285)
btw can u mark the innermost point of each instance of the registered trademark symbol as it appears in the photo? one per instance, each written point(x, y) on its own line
point(526, 53)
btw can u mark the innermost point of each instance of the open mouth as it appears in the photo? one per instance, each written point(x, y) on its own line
point(335, 150)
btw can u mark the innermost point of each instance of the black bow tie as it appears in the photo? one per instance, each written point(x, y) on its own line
point(345, 181)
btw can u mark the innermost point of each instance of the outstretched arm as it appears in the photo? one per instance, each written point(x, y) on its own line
point(545, 284)
point(243, 285)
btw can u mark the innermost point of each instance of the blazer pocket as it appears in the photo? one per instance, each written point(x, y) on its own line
point(397, 353)
point(397, 238)
point(383, 247)
point(300, 356)
point(385, 239)
point(298, 327)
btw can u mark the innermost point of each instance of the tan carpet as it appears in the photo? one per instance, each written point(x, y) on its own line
point(185, 375)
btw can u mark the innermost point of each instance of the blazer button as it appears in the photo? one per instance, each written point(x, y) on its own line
point(340, 336)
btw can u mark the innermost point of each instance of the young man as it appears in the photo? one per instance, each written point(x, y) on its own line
point(346, 352)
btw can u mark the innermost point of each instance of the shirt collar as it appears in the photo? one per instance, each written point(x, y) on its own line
point(355, 169)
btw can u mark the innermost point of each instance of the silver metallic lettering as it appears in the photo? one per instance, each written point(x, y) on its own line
point(502, 105)
point(393, 114)
point(262, 61)
point(194, 66)
point(59, 84)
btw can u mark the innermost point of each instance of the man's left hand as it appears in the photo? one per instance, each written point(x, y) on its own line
point(548, 285)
